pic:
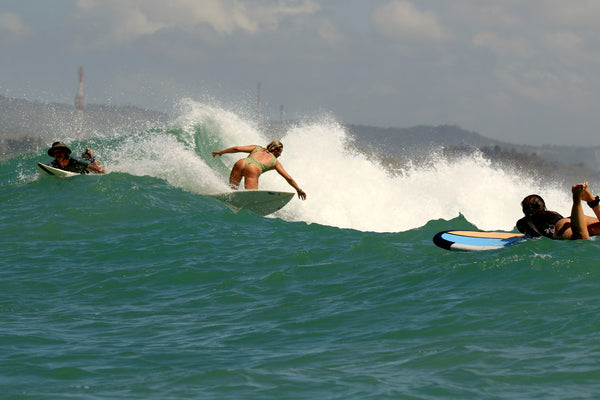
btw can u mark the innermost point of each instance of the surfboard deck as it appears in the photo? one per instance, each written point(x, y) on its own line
point(457, 240)
point(51, 171)
point(261, 202)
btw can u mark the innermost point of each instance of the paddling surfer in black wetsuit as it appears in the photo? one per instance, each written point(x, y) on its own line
point(63, 161)
point(539, 221)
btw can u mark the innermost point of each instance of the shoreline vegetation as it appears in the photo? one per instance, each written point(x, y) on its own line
point(30, 127)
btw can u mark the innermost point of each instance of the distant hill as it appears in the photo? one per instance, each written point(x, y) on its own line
point(28, 126)
point(417, 140)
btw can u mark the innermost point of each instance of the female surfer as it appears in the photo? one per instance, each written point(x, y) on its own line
point(258, 161)
point(538, 221)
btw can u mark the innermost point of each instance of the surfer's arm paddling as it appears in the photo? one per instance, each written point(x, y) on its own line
point(258, 161)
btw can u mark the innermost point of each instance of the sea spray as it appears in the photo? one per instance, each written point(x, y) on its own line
point(346, 187)
point(351, 189)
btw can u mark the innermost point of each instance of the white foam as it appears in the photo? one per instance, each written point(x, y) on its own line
point(345, 188)
point(350, 190)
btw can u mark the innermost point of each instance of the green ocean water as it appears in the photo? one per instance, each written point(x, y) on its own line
point(136, 285)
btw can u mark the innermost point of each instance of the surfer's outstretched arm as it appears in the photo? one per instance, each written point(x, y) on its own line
point(290, 180)
point(234, 149)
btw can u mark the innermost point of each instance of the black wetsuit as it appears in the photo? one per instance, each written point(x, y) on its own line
point(75, 165)
point(539, 224)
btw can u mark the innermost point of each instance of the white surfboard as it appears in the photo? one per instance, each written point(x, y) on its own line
point(261, 202)
point(51, 171)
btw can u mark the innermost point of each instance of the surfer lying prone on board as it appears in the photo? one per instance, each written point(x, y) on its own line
point(539, 221)
point(63, 161)
point(260, 160)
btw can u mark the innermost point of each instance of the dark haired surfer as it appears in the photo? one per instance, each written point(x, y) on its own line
point(539, 221)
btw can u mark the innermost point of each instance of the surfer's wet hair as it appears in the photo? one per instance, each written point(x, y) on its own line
point(533, 204)
point(274, 145)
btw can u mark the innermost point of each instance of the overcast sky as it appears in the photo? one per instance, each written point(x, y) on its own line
point(520, 71)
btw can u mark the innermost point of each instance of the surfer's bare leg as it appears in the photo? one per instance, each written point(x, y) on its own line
point(586, 195)
point(593, 224)
point(236, 174)
point(578, 219)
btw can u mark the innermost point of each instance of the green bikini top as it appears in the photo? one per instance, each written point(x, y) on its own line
point(254, 161)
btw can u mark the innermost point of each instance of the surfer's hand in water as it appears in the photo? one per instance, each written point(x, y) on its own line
point(216, 153)
point(301, 194)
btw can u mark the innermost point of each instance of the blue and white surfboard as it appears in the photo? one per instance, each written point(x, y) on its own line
point(476, 240)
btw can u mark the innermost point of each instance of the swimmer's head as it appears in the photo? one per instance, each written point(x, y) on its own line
point(533, 204)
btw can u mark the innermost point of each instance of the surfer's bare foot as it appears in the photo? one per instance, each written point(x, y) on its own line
point(586, 194)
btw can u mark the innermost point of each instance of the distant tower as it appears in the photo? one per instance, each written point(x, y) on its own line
point(79, 106)
point(79, 95)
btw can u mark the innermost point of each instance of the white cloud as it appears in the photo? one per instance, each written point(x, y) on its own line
point(123, 21)
point(12, 27)
point(329, 32)
point(563, 41)
point(544, 52)
point(504, 45)
point(504, 15)
point(402, 20)
point(576, 14)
